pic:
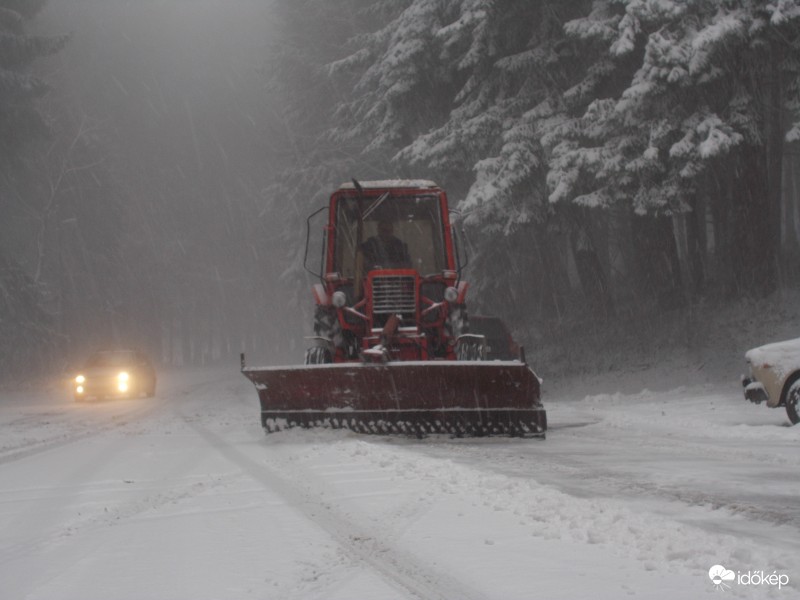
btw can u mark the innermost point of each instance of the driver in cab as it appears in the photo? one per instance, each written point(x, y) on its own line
point(385, 250)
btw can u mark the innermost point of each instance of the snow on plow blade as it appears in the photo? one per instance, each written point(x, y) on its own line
point(460, 398)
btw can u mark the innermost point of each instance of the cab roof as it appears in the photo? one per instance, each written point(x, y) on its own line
point(390, 183)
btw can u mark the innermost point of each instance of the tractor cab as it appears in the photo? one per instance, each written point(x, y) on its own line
point(390, 275)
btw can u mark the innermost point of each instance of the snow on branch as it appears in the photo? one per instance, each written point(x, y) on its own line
point(783, 11)
point(601, 24)
point(719, 137)
point(724, 29)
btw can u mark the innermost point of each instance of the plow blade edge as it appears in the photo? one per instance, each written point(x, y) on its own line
point(461, 398)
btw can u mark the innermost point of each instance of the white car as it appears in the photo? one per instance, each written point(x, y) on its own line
point(774, 376)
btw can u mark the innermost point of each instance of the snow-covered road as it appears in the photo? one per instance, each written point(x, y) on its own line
point(183, 497)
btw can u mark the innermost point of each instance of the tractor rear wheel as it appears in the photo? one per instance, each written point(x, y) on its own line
point(470, 350)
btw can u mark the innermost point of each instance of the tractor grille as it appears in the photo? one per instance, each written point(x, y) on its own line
point(394, 295)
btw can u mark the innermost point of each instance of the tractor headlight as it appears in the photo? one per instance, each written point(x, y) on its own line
point(339, 299)
point(80, 379)
point(451, 294)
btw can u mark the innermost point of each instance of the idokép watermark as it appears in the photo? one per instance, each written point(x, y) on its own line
point(723, 578)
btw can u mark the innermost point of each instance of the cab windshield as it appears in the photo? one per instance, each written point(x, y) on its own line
point(414, 220)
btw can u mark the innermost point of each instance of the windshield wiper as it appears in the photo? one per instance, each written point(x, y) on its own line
point(371, 208)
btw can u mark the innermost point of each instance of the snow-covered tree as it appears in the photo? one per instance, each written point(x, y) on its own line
point(701, 122)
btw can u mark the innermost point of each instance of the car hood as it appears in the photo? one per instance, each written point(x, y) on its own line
point(782, 357)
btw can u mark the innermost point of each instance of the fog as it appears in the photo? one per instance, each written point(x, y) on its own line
point(188, 140)
point(168, 100)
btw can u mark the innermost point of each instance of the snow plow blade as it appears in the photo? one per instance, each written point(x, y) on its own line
point(462, 398)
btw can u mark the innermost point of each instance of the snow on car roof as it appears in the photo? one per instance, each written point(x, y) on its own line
point(391, 183)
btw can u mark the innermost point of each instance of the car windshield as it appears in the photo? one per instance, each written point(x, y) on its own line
point(111, 359)
point(416, 221)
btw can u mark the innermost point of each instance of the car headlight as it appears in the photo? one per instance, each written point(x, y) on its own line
point(80, 379)
point(122, 381)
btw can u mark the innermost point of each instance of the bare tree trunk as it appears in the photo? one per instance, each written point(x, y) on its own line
point(550, 295)
point(591, 273)
point(775, 130)
point(754, 251)
point(696, 242)
point(790, 217)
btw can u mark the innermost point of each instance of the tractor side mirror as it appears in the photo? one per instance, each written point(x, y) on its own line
point(319, 243)
point(459, 248)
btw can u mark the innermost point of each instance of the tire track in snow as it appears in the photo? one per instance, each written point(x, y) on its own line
point(364, 546)
point(549, 512)
point(35, 447)
point(585, 479)
point(110, 517)
point(681, 450)
point(82, 431)
point(117, 514)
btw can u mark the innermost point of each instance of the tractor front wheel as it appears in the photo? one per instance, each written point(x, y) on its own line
point(470, 350)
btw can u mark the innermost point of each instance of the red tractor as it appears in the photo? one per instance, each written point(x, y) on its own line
point(391, 350)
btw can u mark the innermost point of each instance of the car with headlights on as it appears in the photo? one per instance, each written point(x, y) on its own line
point(115, 374)
point(774, 376)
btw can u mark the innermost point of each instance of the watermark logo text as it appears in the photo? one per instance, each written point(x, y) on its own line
point(723, 578)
